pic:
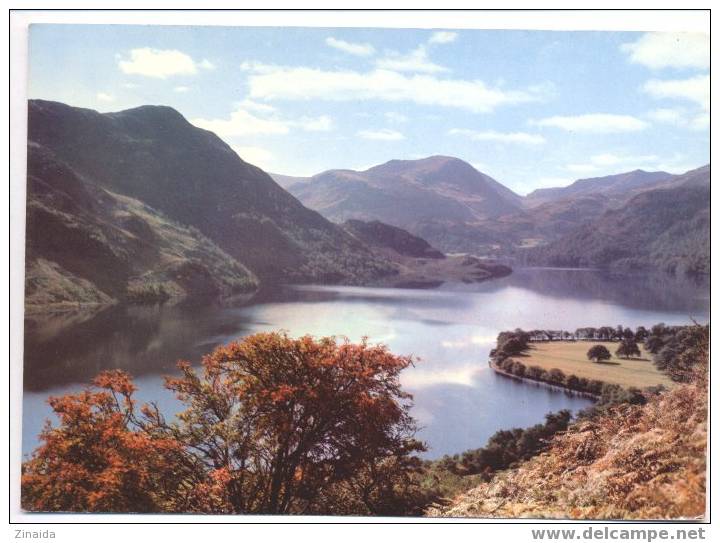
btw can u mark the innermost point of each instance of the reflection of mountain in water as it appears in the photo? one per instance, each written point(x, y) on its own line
point(144, 340)
point(140, 340)
point(641, 291)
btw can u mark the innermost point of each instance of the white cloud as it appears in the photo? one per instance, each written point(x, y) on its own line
point(161, 63)
point(695, 89)
point(581, 168)
point(255, 106)
point(130, 85)
point(670, 50)
point(606, 159)
point(384, 134)
point(552, 182)
point(665, 115)
point(104, 97)
point(396, 117)
point(243, 122)
point(414, 61)
point(205, 64)
point(502, 137)
point(700, 121)
point(254, 155)
point(603, 161)
point(181, 89)
point(443, 37)
point(594, 123)
point(269, 82)
point(357, 49)
point(314, 124)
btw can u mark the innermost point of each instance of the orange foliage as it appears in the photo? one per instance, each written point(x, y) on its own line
point(94, 461)
point(273, 424)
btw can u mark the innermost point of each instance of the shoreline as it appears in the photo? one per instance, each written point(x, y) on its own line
point(552, 386)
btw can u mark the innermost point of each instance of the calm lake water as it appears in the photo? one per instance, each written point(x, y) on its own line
point(459, 401)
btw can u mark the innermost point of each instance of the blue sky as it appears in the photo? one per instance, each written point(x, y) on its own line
point(530, 108)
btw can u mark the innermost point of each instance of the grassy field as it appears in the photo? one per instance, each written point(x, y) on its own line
point(571, 358)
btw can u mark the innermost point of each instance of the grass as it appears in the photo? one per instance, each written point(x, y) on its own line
point(571, 358)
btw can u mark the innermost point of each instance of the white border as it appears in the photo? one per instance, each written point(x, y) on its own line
point(543, 20)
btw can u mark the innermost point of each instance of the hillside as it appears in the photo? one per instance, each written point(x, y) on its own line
point(419, 264)
point(411, 194)
point(612, 186)
point(635, 454)
point(286, 181)
point(632, 462)
point(666, 229)
point(460, 210)
point(87, 245)
point(153, 155)
point(381, 235)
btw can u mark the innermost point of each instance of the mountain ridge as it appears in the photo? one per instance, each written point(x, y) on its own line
point(153, 154)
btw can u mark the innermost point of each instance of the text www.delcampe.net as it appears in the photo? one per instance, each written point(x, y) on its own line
point(620, 534)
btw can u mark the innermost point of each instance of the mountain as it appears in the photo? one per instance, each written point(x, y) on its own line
point(411, 194)
point(417, 263)
point(155, 157)
point(286, 181)
point(88, 245)
point(666, 228)
point(460, 210)
point(384, 236)
point(612, 186)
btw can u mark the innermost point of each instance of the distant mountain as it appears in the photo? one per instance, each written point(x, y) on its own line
point(153, 156)
point(286, 181)
point(87, 245)
point(409, 194)
point(612, 186)
point(666, 229)
point(418, 264)
point(381, 235)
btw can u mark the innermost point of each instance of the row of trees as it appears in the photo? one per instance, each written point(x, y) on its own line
point(602, 333)
point(271, 425)
point(552, 376)
point(515, 342)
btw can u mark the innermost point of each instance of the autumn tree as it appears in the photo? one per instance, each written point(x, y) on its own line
point(598, 353)
point(99, 459)
point(272, 425)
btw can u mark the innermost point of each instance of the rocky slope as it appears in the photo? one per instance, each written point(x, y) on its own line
point(87, 245)
point(664, 228)
point(384, 236)
point(426, 197)
point(617, 186)
point(633, 462)
point(153, 158)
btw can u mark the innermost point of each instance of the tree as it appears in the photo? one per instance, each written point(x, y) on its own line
point(684, 353)
point(641, 334)
point(272, 425)
point(627, 348)
point(99, 458)
point(598, 353)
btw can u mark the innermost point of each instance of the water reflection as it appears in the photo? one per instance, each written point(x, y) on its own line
point(450, 330)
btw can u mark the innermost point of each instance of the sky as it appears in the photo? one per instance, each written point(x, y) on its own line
point(531, 109)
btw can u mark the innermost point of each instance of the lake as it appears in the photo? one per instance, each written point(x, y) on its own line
point(458, 401)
